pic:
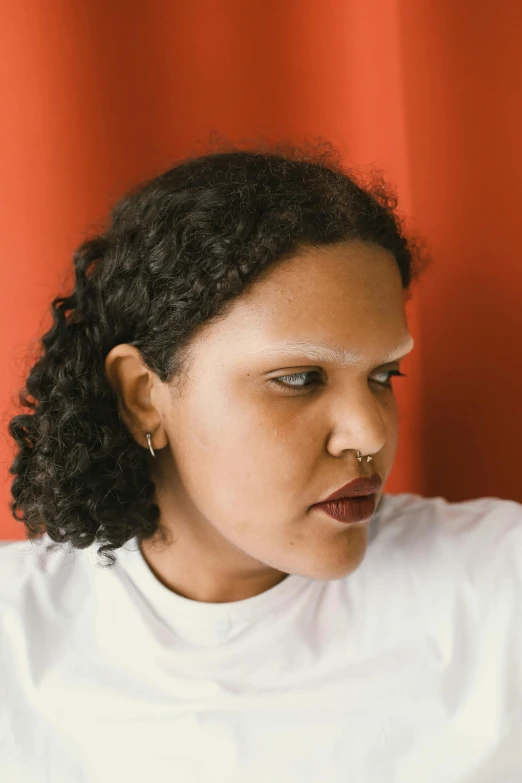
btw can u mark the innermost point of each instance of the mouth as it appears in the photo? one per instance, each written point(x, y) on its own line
point(350, 509)
point(362, 486)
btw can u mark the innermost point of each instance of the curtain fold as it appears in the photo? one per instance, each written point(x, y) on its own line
point(98, 96)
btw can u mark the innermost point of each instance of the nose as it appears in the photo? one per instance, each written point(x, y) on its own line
point(357, 423)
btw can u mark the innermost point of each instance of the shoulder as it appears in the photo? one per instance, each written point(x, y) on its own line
point(41, 572)
point(18, 559)
point(483, 536)
point(488, 516)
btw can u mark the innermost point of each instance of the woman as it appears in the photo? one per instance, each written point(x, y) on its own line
point(187, 605)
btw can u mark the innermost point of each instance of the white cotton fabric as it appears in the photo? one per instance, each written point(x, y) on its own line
point(408, 670)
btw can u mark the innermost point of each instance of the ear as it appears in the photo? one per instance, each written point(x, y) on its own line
point(135, 385)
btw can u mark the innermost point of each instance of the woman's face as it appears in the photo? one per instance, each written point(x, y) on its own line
point(240, 460)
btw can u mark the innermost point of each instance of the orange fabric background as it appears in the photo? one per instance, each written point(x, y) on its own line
point(97, 96)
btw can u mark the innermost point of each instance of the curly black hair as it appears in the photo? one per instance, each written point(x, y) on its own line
point(177, 249)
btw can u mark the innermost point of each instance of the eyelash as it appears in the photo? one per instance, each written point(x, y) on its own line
point(281, 384)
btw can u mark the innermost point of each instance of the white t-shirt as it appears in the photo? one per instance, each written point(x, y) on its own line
point(408, 670)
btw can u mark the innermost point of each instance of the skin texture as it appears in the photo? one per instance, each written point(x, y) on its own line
point(240, 461)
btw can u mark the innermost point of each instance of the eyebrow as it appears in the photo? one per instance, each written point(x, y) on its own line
point(329, 353)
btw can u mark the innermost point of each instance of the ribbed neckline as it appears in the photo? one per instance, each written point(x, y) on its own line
point(180, 609)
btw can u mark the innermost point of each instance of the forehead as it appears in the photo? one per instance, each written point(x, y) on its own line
point(348, 281)
point(353, 274)
point(342, 303)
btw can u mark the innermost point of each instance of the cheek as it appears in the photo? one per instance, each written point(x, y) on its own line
point(248, 455)
point(390, 417)
point(260, 455)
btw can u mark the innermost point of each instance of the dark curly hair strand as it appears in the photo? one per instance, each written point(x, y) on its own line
point(178, 249)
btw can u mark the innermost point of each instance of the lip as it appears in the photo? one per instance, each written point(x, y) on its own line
point(350, 510)
point(362, 485)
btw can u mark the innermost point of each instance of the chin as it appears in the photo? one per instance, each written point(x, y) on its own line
point(338, 567)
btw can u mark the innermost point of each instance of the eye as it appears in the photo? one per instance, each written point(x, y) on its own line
point(282, 380)
point(293, 381)
point(390, 373)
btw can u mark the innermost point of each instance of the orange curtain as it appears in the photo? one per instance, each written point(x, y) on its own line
point(97, 96)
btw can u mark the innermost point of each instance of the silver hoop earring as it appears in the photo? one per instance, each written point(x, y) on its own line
point(359, 458)
point(150, 444)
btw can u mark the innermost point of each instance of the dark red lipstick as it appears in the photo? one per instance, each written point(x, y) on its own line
point(363, 485)
point(354, 502)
